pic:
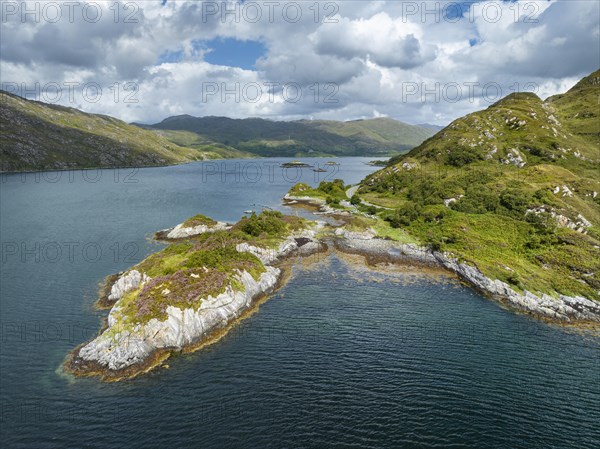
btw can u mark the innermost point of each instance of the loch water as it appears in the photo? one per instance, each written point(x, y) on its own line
point(342, 356)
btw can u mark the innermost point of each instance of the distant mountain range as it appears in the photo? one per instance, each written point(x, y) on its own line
point(373, 137)
point(40, 136)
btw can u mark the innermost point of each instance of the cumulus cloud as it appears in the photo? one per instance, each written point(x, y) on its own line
point(387, 42)
point(415, 61)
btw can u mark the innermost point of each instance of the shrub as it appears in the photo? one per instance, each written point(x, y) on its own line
point(334, 188)
point(268, 223)
point(477, 201)
point(515, 201)
point(462, 155)
point(198, 220)
point(332, 201)
point(405, 215)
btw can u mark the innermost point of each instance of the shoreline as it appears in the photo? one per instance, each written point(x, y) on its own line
point(558, 310)
point(137, 350)
point(208, 327)
point(123, 167)
point(411, 258)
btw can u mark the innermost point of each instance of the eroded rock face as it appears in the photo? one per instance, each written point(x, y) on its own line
point(117, 349)
point(180, 231)
point(563, 308)
point(270, 255)
point(127, 282)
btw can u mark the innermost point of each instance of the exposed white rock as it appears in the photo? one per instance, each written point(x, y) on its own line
point(515, 158)
point(580, 223)
point(270, 255)
point(119, 348)
point(127, 282)
point(180, 231)
point(561, 307)
point(566, 191)
point(493, 151)
point(449, 201)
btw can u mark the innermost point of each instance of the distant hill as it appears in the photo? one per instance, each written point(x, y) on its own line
point(513, 189)
point(40, 136)
point(373, 137)
point(430, 126)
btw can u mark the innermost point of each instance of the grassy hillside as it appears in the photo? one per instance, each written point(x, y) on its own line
point(39, 136)
point(513, 189)
point(382, 136)
point(192, 140)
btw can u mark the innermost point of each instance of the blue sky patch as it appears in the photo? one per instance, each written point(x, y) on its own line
point(233, 52)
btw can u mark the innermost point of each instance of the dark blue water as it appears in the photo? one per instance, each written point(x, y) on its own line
point(338, 358)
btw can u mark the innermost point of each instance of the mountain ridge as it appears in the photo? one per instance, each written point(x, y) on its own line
point(512, 189)
point(40, 136)
point(265, 137)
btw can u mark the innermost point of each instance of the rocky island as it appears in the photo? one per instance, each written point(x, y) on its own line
point(186, 294)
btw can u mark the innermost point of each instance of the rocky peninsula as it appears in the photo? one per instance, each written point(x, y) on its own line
point(212, 274)
point(365, 234)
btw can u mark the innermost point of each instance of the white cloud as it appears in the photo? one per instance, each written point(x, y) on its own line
point(376, 52)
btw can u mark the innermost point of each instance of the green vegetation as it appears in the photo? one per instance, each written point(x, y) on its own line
point(185, 272)
point(39, 136)
point(331, 192)
point(335, 190)
point(377, 137)
point(513, 190)
point(199, 220)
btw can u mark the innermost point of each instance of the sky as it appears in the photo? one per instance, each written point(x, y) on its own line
point(415, 61)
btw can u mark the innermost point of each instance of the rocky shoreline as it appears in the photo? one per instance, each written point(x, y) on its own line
point(560, 309)
point(117, 354)
point(121, 353)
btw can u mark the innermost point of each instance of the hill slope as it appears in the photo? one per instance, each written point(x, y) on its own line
point(513, 189)
point(381, 136)
point(39, 136)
